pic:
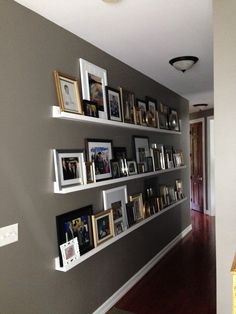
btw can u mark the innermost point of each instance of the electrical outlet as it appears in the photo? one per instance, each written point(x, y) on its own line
point(8, 234)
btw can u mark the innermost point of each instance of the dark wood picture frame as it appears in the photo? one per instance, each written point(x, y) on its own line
point(114, 107)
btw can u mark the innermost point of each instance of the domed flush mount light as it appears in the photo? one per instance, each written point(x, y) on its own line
point(183, 63)
point(111, 1)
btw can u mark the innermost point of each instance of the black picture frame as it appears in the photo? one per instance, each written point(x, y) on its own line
point(163, 121)
point(114, 107)
point(90, 108)
point(119, 153)
point(174, 121)
point(68, 228)
point(128, 107)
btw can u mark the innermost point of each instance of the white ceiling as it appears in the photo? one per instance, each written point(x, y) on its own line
point(145, 34)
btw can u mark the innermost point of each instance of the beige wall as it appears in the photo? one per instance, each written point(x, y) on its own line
point(225, 140)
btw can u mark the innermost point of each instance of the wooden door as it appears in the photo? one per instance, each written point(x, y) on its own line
point(196, 158)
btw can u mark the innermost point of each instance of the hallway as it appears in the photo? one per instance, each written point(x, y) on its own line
point(183, 282)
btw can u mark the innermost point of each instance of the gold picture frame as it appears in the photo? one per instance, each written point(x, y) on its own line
point(138, 208)
point(103, 227)
point(68, 93)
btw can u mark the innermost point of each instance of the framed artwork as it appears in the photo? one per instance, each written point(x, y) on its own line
point(93, 81)
point(69, 167)
point(76, 223)
point(90, 108)
point(90, 172)
point(142, 107)
point(100, 152)
point(70, 251)
point(174, 121)
point(116, 199)
point(68, 93)
point(141, 150)
point(113, 104)
point(138, 209)
point(103, 227)
point(132, 167)
point(128, 108)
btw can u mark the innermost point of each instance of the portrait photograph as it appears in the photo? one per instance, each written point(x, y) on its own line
point(69, 167)
point(115, 169)
point(100, 152)
point(113, 104)
point(70, 251)
point(103, 227)
point(128, 110)
point(68, 93)
point(141, 150)
point(119, 227)
point(76, 224)
point(174, 121)
point(132, 167)
point(90, 108)
point(151, 106)
point(90, 172)
point(93, 81)
point(138, 209)
point(142, 106)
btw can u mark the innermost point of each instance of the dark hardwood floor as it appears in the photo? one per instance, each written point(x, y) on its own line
point(184, 281)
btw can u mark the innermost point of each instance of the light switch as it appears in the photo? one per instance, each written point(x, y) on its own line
point(8, 234)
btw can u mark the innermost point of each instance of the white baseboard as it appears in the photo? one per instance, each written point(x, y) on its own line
point(109, 303)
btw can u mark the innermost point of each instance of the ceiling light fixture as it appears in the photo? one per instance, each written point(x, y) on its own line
point(183, 63)
point(200, 105)
point(111, 1)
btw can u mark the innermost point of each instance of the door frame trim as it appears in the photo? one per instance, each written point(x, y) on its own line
point(210, 182)
point(203, 159)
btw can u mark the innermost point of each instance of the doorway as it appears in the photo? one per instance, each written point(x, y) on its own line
point(197, 162)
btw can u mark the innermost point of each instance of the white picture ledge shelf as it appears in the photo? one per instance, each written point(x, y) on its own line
point(114, 239)
point(57, 113)
point(76, 188)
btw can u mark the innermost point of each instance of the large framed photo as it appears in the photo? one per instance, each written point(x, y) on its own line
point(116, 199)
point(141, 150)
point(128, 108)
point(68, 93)
point(103, 228)
point(93, 81)
point(100, 152)
point(70, 251)
point(76, 223)
point(113, 104)
point(69, 167)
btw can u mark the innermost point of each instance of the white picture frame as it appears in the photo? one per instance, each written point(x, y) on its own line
point(132, 167)
point(91, 72)
point(113, 197)
point(70, 251)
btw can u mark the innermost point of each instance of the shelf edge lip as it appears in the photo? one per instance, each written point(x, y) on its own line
point(114, 239)
point(56, 113)
point(90, 186)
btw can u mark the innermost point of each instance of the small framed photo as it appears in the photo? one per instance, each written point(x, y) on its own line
point(116, 198)
point(150, 119)
point(113, 104)
point(130, 213)
point(128, 108)
point(69, 167)
point(68, 93)
point(163, 120)
point(70, 251)
point(119, 153)
point(75, 224)
point(99, 151)
point(150, 167)
point(141, 167)
point(174, 121)
point(142, 107)
point(90, 172)
point(103, 227)
point(119, 227)
point(138, 208)
point(152, 108)
point(115, 168)
point(90, 108)
point(93, 81)
point(141, 150)
point(132, 167)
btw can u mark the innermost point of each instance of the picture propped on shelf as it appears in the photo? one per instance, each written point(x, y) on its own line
point(70, 251)
point(128, 108)
point(103, 228)
point(76, 223)
point(90, 172)
point(100, 152)
point(69, 167)
point(116, 199)
point(138, 209)
point(174, 121)
point(93, 81)
point(141, 150)
point(113, 104)
point(68, 93)
point(142, 108)
point(90, 108)
point(152, 107)
point(132, 167)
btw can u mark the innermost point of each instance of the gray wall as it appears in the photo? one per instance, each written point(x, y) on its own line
point(31, 48)
point(225, 147)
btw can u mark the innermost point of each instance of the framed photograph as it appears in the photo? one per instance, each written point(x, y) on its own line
point(90, 108)
point(93, 81)
point(69, 167)
point(76, 223)
point(141, 167)
point(173, 121)
point(115, 169)
point(141, 150)
point(119, 227)
point(150, 119)
point(142, 107)
point(132, 167)
point(150, 167)
point(68, 93)
point(128, 108)
point(119, 153)
point(138, 208)
point(163, 120)
point(103, 227)
point(113, 104)
point(90, 172)
point(130, 213)
point(70, 251)
point(152, 108)
point(116, 199)
point(100, 152)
